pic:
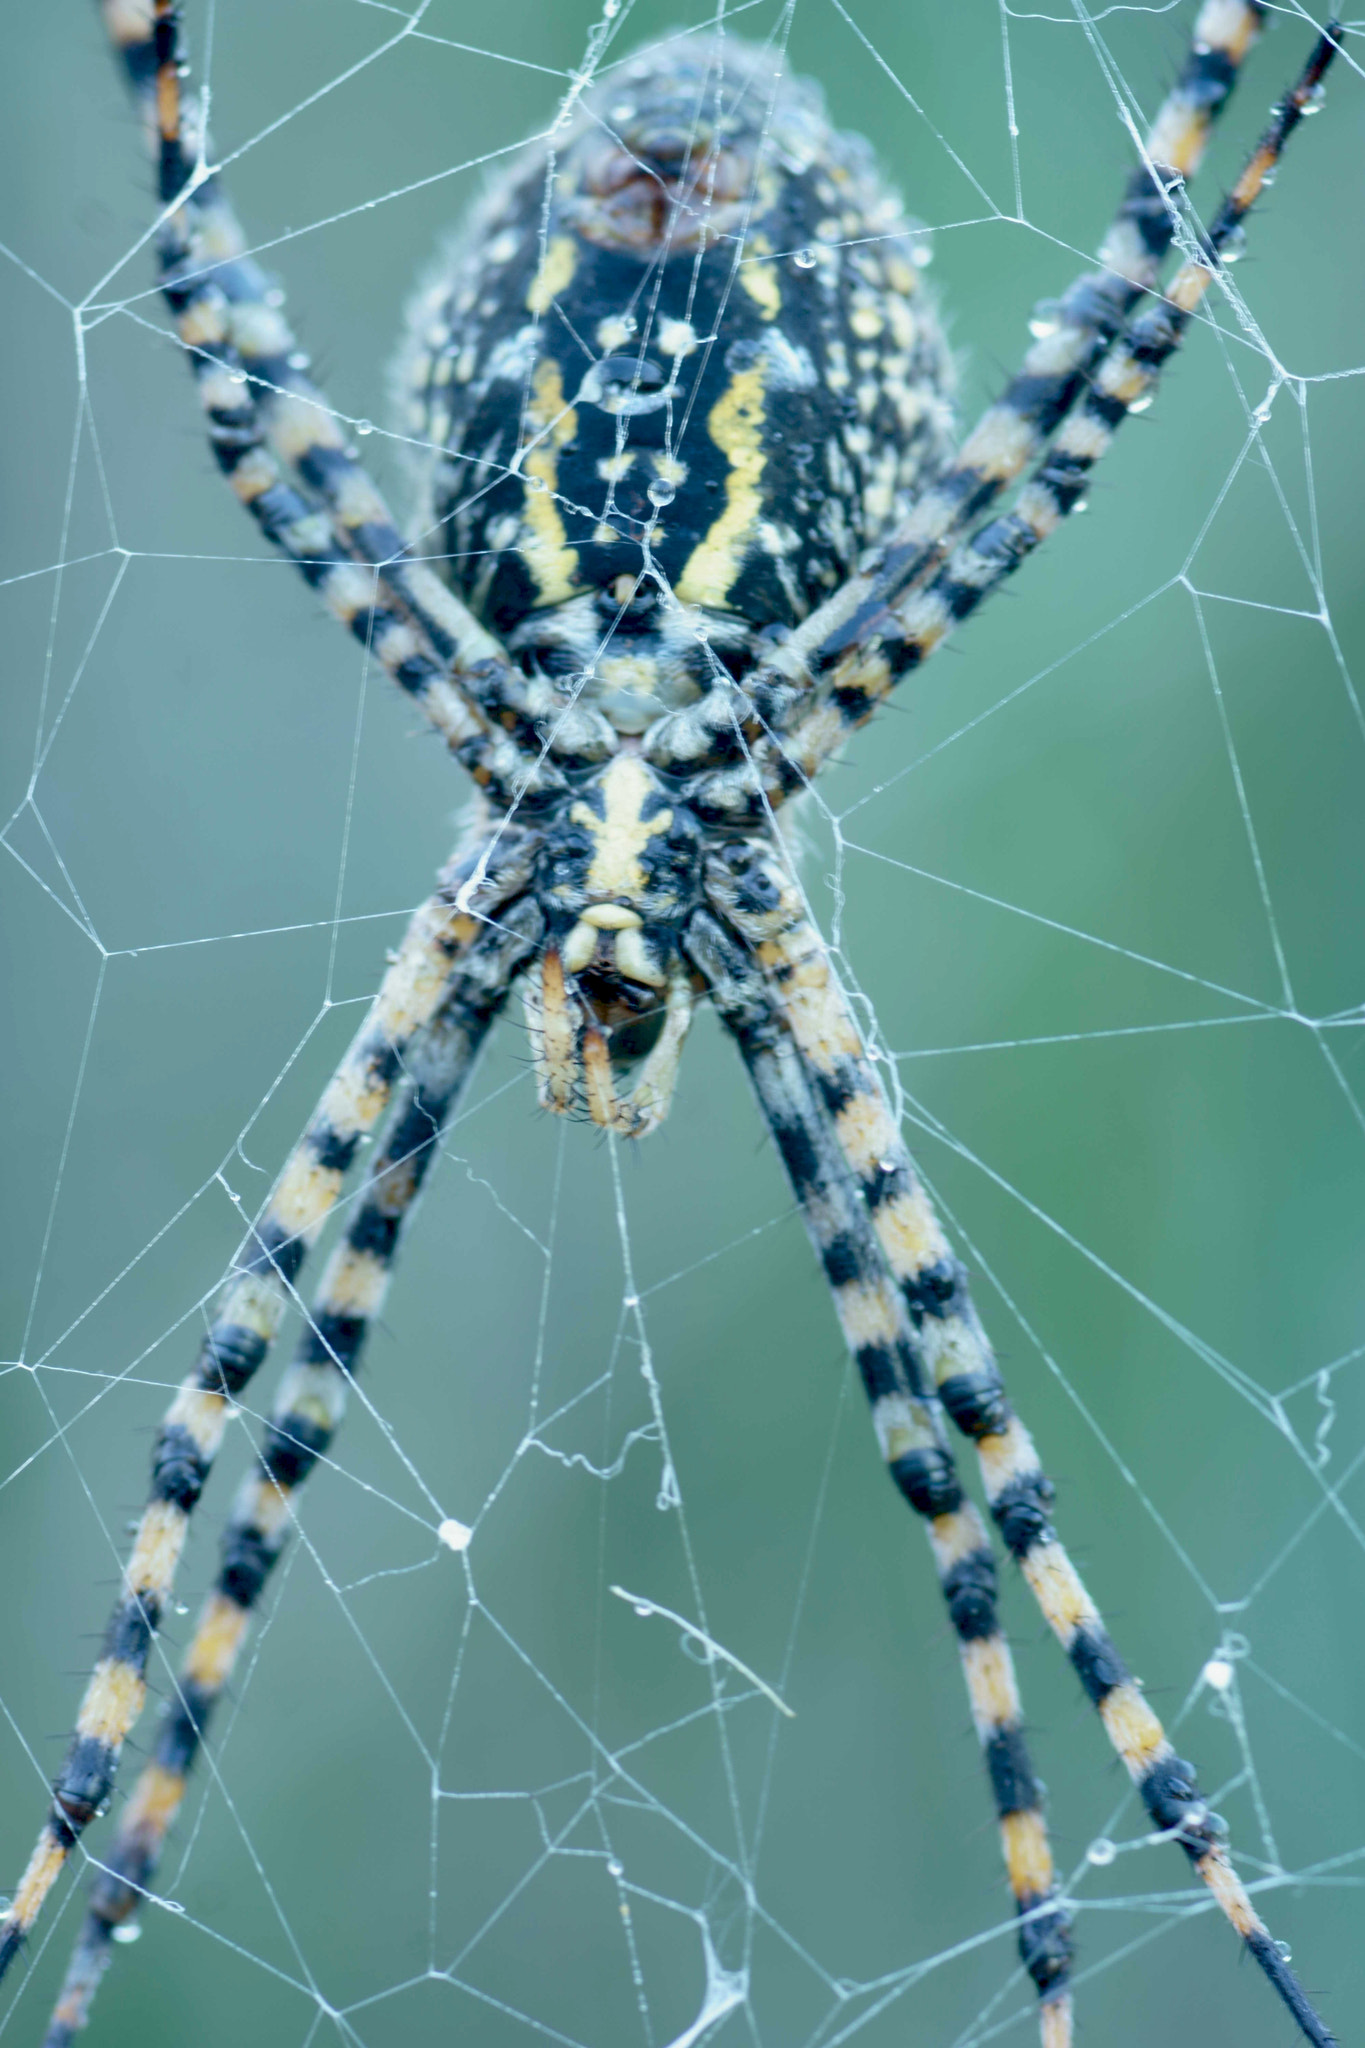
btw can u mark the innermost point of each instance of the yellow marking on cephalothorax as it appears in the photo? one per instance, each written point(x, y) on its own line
point(991, 1688)
point(154, 1803)
point(44, 1867)
point(735, 424)
point(113, 1701)
point(1133, 1729)
point(759, 278)
point(1027, 1856)
point(554, 272)
point(622, 833)
point(156, 1548)
point(217, 1639)
point(544, 546)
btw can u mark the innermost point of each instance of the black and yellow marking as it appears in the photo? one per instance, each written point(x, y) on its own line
point(1075, 332)
point(308, 1409)
point(952, 1349)
point(745, 431)
point(906, 634)
point(245, 1321)
point(262, 412)
point(880, 1338)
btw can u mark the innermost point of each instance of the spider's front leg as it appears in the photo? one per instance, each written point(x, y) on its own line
point(906, 1413)
point(951, 1354)
point(438, 944)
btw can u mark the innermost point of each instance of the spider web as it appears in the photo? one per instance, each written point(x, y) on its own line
point(674, 1747)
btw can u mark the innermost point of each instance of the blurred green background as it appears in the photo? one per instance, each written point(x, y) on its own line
point(1048, 891)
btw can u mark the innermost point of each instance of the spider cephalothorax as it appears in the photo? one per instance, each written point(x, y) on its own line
point(690, 490)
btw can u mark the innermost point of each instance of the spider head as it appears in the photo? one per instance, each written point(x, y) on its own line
point(610, 1003)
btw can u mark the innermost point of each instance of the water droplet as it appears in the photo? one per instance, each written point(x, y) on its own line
point(1235, 245)
point(611, 8)
point(661, 491)
point(536, 483)
point(1284, 1951)
point(274, 297)
point(455, 1535)
point(615, 1869)
point(180, 1607)
point(1314, 100)
point(630, 1301)
point(1101, 1852)
point(236, 376)
point(1143, 404)
point(804, 259)
point(1045, 319)
point(643, 1609)
point(363, 427)
point(299, 360)
point(1081, 505)
point(127, 1932)
point(922, 255)
point(1217, 1673)
point(171, 1905)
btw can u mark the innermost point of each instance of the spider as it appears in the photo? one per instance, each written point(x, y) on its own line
point(696, 505)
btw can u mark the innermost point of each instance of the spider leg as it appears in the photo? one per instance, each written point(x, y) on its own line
point(262, 412)
point(245, 1321)
point(307, 1412)
point(906, 1414)
point(902, 637)
point(954, 1355)
point(1078, 329)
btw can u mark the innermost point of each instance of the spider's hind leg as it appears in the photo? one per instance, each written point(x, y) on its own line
point(907, 1417)
point(956, 1354)
point(308, 1409)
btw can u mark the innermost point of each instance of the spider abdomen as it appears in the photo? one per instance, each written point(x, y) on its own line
point(675, 378)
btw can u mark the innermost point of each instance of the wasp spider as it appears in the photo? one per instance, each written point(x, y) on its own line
point(697, 506)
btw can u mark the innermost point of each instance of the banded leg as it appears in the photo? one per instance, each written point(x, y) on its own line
point(902, 637)
point(262, 412)
point(954, 1354)
point(880, 1339)
point(1054, 372)
point(308, 1410)
point(245, 1321)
